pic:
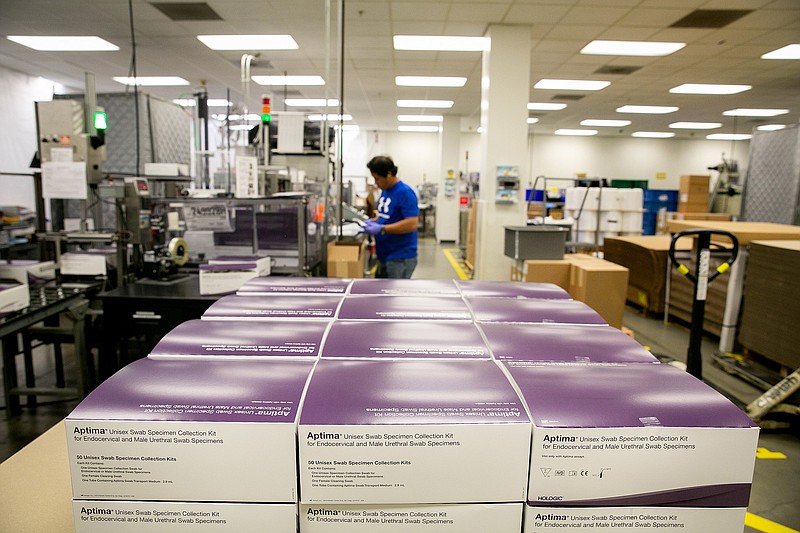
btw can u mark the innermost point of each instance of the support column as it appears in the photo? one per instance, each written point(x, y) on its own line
point(447, 194)
point(505, 88)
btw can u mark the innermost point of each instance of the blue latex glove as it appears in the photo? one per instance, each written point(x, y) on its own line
point(371, 227)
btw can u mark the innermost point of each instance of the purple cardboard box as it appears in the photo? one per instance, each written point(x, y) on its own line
point(533, 311)
point(292, 285)
point(404, 287)
point(387, 339)
point(188, 430)
point(404, 308)
point(282, 306)
point(412, 432)
point(223, 339)
point(511, 289)
point(633, 435)
point(559, 343)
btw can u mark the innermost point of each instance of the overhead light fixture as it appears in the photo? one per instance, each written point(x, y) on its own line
point(605, 123)
point(429, 104)
point(545, 106)
point(330, 117)
point(243, 127)
point(532, 120)
point(349, 127)
point(419, 129)
point(729, 136)
point(771, 127)
point(249, 42)
point(211, 102)
point(695, 125)
point(709, 88)
point(430, 81)
point(420, 118)
point(248, 117)
point(743, 112)
point(442, 43)
point(579, 133)
point(653, 134)
point(631, 48)
point(288, 80)
point(66, 43)
point(311, 102)
point(151, 81)
point(647, 109)
point(572, 85)
point(791, 51)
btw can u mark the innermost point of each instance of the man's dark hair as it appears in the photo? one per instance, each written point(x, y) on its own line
point(381, 165)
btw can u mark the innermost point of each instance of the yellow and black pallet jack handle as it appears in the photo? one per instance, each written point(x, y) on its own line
point(700, 278)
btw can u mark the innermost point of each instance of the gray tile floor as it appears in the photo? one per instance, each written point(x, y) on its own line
point(775, 498)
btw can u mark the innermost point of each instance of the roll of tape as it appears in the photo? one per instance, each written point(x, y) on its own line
point(179, 251)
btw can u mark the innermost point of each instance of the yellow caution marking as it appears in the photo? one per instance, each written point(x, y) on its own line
point(452, 260)
point(723, 268)
point(766, 526)
point(683, 270)
point(763, 453)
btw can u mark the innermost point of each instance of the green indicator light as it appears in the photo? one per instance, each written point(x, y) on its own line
point(100, 122)
point(266, 118)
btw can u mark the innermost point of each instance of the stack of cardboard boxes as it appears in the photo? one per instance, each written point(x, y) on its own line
point(693, 194)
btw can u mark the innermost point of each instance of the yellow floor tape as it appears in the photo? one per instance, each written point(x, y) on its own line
point(763, 453)
point(766, 526)
point(451, 258)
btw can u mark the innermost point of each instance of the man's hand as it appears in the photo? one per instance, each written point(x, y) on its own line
point(371, 227)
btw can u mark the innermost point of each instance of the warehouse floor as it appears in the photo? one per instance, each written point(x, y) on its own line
point(775, 499)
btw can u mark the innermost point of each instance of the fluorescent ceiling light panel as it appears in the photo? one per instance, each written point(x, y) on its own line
point(653, 134)
point(709, 88)
point(647, 109)
point(311, 102)
point(771, 127)
point(426, 104)
point(329, 118)
point(572, 85)
point(442, 43)
point(695, 125)
point(249, 42)
point(532, 120)
point(288, 80)
point(631, 48)
point(579, 133)
point(729, 136)
point(743, 112)
point(420, 118)
point(151, 81)
point(605, 123)
point(430, 81)
point(66, 43)
point(419, 129)
point(545, 106)
point(248, 117)
point(791, 51)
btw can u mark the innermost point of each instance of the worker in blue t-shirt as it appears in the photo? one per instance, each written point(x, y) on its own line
point(395, 228)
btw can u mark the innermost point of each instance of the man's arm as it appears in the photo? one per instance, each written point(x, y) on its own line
point(407, 225)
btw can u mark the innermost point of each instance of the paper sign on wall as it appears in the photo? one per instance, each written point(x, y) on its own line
point(64, 179)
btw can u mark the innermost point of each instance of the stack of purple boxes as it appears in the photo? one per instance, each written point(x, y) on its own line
point(330, 405)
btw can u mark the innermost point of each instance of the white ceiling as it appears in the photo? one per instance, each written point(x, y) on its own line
point(559, 29)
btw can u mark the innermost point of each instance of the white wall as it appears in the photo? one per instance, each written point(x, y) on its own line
point(417, 157)
point(18, 92)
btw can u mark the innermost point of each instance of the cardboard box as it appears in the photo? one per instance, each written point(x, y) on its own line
point(602, 285)
point(396, 432)
point(555, 271)
point(700, 215)
point(134, 517)
point(84, 264)
point(404, 287)
point(213, 431)
point(464, 518)
point(294, 285)
point(633, 519)
point(388, 339)
point(262, 263)
point(504, 289)
point(563, 344)
point(403, 308)
point(34, 273)
point(531, 311)
point(274, 307)
point(228, 340)
point(346, 259)
point(629, 435)
point(226, 278)
point(690, 183)
point(14, 295)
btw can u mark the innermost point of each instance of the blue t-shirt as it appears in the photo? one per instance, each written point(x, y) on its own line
point(394, 205)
